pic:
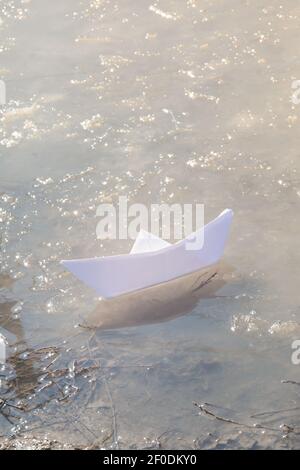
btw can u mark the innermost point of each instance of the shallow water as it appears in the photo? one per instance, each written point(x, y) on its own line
point(174, 101)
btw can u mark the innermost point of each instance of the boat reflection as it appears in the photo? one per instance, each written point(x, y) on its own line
point(158, 303)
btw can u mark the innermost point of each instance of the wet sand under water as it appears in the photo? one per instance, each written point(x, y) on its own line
point(175, 102)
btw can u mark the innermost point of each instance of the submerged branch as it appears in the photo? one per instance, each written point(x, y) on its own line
point(285, 427)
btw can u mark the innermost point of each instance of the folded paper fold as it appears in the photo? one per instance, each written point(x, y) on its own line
point(152, 260)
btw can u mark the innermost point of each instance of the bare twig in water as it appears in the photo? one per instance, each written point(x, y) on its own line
point(219, 418)
point(284, 427)
point(217, 406)
point(293, 382)
point(5, 404)
point(113, 410)
point(87, 327)
point(270, 413)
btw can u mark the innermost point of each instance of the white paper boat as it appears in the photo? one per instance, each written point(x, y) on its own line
point(152, 260)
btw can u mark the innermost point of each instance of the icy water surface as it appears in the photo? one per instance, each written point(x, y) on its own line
point(169, 101)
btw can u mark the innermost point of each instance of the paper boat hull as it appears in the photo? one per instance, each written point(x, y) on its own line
point(112, 276)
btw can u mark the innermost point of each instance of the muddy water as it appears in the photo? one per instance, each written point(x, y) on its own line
point(174, 101)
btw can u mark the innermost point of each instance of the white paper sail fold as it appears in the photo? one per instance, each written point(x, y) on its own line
point(147, 242)
point(152, 260)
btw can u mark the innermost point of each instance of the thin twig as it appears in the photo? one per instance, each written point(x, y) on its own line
point(237, 423)
point(270, 413)
point(114, 418)
point(293, 382)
